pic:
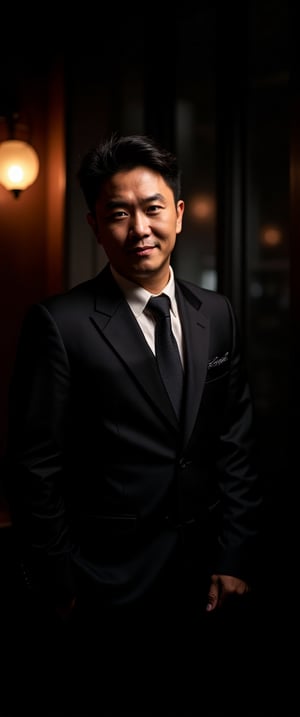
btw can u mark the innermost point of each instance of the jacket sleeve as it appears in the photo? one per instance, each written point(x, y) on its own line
point(239, 481)
point(38, 407)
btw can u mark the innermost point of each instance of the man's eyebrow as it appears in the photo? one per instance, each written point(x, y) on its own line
point(155, 197)
point(113, 203)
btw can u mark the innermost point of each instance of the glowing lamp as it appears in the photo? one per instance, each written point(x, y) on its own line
point(19, 165)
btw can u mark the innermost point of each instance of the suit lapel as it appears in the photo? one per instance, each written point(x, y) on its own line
point(116, 322)
point(195, 327)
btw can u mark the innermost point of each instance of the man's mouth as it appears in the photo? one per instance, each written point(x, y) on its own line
point(143, 250)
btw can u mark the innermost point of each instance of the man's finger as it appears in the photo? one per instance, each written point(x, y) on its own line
point(213, 594)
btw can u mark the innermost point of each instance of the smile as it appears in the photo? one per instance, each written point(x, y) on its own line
point(142, 250)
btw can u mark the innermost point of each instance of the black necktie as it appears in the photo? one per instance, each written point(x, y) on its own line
point(166, 350)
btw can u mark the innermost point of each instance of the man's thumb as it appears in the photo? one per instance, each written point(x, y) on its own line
point(213, 594)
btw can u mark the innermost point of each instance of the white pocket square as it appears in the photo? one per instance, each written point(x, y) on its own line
point(218, 360)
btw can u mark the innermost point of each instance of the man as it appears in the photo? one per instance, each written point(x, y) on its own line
point(135, 521)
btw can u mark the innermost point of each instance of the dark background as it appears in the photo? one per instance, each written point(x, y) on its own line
point(219, 85)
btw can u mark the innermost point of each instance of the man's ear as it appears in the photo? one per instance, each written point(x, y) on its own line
point(93, 223)
point(180, 212)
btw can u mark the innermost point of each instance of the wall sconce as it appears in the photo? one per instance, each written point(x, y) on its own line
point(19, 162)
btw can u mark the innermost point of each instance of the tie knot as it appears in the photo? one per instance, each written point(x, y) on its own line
point(159, 305)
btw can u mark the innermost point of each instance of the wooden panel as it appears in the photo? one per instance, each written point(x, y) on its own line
point(32, 226)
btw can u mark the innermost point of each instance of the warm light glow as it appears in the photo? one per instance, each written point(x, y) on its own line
point(202, 207)
point(19, 165)
point(271, 236)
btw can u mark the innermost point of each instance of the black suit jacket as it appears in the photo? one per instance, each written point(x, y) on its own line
point(96, 456)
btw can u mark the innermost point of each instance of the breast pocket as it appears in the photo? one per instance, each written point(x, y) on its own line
point(217, 367)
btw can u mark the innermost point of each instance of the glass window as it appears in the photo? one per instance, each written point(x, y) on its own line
point(195, 144)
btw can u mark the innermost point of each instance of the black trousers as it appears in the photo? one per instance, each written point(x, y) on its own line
point(163, 655)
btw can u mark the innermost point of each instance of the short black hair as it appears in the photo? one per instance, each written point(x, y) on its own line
point(118, 153)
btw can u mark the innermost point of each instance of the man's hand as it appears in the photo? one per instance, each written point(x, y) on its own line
point(221, 587)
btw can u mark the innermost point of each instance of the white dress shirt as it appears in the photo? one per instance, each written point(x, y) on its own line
point(138, 297)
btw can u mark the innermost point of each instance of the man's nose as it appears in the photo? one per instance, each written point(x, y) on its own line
point(139, 225)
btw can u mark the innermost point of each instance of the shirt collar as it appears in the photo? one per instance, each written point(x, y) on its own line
point(137, 297)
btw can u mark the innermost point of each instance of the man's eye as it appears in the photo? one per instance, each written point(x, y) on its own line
point(153, 209)
point(118, 214)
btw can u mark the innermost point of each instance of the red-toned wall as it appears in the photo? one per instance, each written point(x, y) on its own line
point(32, 226)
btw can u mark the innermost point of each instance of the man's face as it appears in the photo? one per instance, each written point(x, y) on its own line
point(137, 222)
